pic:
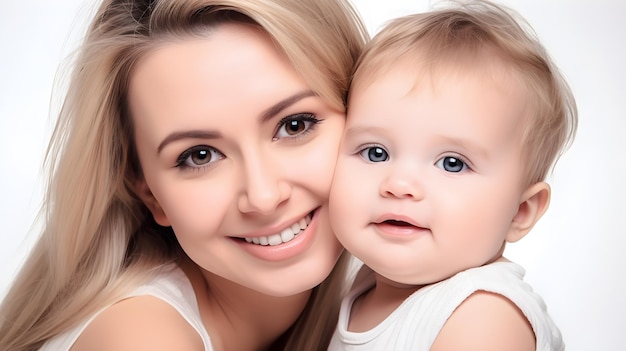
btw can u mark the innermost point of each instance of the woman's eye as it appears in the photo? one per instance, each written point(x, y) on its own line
point(451, 164)
point(296, 125)
point(198, 156)
point(374, 154)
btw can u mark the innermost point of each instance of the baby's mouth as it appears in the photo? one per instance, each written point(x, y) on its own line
point(398, 223)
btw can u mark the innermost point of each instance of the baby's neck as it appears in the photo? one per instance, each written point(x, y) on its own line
point(376, 304)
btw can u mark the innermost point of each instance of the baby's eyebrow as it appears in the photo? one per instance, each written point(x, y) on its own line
point(467, 144)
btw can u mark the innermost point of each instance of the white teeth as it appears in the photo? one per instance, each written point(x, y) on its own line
point(275, 240)
point(283, 237)
point(295, 228)
point(288, 234)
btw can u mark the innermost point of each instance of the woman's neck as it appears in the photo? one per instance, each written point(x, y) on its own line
point(239, 318)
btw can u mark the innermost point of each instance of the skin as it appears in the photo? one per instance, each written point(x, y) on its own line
point(433, 168)
point(231, 152)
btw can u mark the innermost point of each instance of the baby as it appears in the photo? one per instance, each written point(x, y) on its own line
point(455, 118)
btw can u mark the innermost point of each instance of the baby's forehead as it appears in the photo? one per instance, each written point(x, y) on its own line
point(417, 70)
point(427, 86)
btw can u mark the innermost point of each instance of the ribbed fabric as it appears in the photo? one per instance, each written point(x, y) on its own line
point(415, 324)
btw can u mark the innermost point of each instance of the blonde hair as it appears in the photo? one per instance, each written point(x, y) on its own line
point(96, 242)
point(467, 33)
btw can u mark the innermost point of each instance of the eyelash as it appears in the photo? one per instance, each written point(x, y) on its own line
point(368, 147)
point(467, 165)
point(181, 161)
point(301, 117)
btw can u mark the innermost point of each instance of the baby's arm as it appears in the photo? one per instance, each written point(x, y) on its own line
point(486, 321)
point(139, 324)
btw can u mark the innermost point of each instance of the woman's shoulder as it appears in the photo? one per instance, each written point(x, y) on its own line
point(161, 314)
point(139, 323)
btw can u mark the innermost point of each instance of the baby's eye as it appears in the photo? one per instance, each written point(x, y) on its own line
point(374, 154)
point(296, 125)
point(198, 156)
point(451, 164)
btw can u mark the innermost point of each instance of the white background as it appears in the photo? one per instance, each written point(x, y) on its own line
point(574, 257)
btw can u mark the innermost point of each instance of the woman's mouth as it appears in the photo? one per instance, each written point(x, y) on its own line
point(289, 243)
point(284, 236)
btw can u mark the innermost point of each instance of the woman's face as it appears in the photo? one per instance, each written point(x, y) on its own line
point(238, 154)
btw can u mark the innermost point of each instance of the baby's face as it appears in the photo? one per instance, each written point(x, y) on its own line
point(428, 179)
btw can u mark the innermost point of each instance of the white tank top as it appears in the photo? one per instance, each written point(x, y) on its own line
point(171, 286)
point(415, 324)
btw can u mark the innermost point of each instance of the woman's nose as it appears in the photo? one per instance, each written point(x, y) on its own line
point(264, 187)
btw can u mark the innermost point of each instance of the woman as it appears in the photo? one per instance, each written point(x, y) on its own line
point(190, 168)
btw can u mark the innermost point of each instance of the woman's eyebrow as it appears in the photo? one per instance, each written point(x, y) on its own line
point(209, 134)
point(188, 134)
point(283, 104)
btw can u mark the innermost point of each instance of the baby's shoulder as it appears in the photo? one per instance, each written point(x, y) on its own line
point(139, 323)
point(486, 321)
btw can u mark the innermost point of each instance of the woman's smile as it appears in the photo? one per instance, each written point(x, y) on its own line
point(290, 242)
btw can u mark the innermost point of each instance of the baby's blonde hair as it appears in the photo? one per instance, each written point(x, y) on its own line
point(466, 34)
point(97, 241)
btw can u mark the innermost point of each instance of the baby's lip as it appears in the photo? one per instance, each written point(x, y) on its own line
point(398, 223)
point(398, 220)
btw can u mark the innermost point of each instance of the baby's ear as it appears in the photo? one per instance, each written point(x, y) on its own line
point(145, 194)
point(534, 203)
